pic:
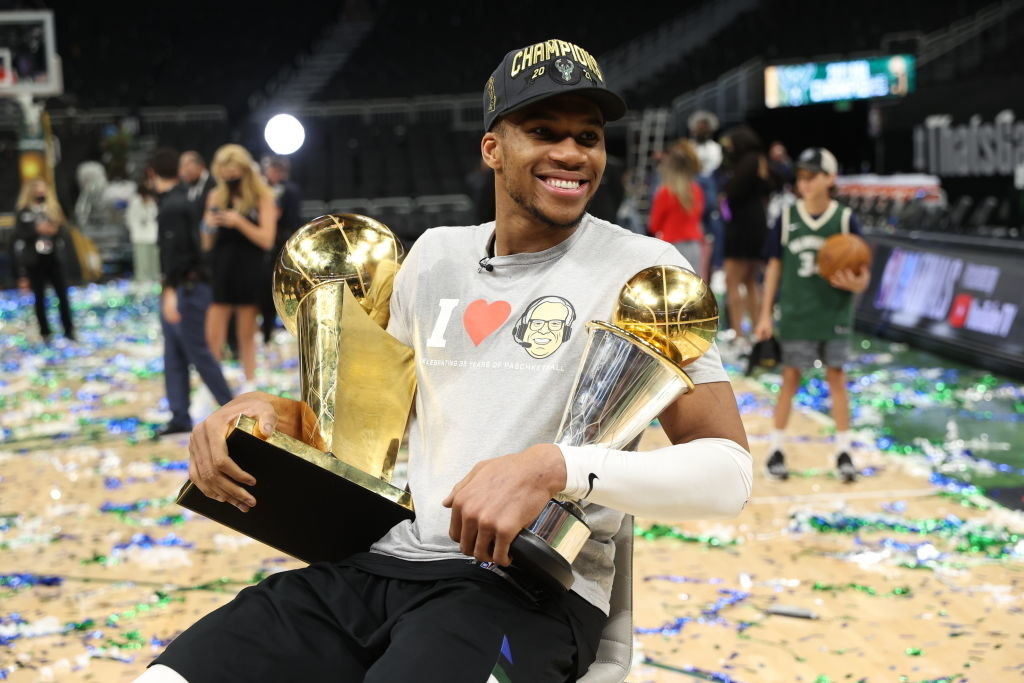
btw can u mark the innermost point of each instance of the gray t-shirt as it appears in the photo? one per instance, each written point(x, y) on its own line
point(496, 355)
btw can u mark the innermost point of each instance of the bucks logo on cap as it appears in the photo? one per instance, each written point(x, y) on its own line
point(567, 68)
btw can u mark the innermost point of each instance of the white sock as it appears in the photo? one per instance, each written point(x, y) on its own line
point(843, 441)
point(776, 440)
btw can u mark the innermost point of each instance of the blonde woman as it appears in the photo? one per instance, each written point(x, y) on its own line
point(679, 204)
point(40, 246)
point(238, 229)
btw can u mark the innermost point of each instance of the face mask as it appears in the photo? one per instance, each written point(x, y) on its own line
point(233, 184)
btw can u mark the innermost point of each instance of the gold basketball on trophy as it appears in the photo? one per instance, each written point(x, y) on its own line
point(672, 308)
point(355, 250)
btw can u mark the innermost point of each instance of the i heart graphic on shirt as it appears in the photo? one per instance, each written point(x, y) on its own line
point(482, 318)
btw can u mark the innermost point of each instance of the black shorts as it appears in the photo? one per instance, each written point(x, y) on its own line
point(375, 618)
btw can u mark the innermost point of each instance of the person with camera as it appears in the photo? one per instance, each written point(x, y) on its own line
point(40, 252)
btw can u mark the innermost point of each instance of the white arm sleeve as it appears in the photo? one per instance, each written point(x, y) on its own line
point(700, 479)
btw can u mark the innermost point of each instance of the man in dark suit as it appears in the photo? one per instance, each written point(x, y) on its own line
point(185, 294)
point(276, 171)
point(198, 181)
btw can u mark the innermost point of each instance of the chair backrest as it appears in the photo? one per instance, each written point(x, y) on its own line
point(615, 652)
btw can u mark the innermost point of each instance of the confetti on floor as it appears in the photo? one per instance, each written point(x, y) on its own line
point(910, 574)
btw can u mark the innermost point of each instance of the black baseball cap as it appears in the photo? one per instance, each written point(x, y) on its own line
point(542, 70)
point(818, 160)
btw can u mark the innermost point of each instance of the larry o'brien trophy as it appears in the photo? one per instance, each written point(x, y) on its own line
point(631, 370)
point(324, 492)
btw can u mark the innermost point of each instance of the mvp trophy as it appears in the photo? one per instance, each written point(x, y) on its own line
point(631, 370)
point(332, 287)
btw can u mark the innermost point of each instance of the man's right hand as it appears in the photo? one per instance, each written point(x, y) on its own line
point(209, 466)
point(763, 329)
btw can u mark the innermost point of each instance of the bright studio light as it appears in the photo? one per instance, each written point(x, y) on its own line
point(284, 134)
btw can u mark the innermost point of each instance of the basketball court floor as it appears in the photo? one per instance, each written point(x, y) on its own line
point(906, 575)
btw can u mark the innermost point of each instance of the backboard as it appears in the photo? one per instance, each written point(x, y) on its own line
point(29, 63)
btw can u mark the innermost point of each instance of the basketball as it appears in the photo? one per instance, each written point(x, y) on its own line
point(841, 252)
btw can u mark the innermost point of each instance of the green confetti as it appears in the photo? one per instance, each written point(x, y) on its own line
point(656, 531)
point(900, 591)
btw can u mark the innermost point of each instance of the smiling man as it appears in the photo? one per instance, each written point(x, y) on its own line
point(435, 599)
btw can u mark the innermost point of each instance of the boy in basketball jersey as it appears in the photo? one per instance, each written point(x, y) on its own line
point(815, 315)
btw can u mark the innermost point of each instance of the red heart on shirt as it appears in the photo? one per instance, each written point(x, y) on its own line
point(482, 318)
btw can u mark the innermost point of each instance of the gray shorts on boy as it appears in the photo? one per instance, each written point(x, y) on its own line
point(801, 353)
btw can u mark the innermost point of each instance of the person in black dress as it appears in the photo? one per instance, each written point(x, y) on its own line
point(746, 188)
point(239, 226)
point(41, 249)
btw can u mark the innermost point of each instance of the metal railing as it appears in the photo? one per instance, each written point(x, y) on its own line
point(942, 42)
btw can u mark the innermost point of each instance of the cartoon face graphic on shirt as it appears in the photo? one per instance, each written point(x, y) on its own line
point(544, 326)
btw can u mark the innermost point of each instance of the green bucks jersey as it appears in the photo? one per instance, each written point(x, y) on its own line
point(809, 307)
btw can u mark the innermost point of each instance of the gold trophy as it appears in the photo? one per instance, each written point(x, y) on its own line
point(324, 492)
point(631, 370)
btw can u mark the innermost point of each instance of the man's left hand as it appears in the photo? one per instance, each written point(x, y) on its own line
point(851, 281)
point(501, 496)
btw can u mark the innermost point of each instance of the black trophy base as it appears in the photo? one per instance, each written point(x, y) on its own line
point(302, 509)
point(538, 560)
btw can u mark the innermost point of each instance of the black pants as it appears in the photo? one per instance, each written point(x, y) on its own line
point(268, 311)
point(185, 345)
point(336, 622)
point(47, 270)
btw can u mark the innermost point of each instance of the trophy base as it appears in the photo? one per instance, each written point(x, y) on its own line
point(545, 550)
point(538, 560)
point(308, 504)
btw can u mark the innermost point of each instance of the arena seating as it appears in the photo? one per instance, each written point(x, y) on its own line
point(454, 65)
point(985, 216)
point(791, 30)
point(215, 64)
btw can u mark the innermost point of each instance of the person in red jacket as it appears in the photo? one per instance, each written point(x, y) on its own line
point(679, 203)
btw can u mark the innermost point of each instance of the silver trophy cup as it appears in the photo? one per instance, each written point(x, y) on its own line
point(629, 373)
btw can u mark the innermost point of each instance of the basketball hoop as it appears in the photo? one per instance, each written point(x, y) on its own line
point(28, 55)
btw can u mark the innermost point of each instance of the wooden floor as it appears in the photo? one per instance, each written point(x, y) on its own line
point(875, 620)
point(128, 569)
